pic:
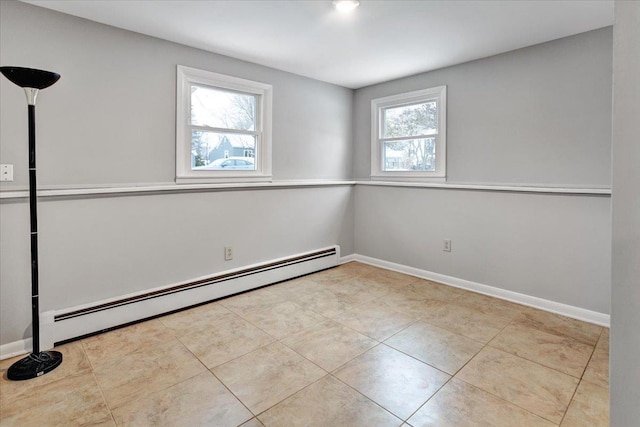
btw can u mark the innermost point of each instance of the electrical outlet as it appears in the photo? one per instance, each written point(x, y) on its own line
point(6, 172)
point(228, 253)
point(446, 246)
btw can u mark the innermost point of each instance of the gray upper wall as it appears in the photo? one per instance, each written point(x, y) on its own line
point(537, 115)
point(111, 117)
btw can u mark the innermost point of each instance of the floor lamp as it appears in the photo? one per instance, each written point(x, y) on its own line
point(38, 362)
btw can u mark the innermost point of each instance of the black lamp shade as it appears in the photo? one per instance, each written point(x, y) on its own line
point(30, 77)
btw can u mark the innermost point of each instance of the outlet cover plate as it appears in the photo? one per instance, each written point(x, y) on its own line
point(6, 172)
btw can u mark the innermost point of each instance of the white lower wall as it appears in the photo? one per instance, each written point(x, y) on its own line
point(552, 247)
point(102, 247)
point(555, 247)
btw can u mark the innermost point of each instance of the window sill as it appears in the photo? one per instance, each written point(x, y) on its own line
point(408, 177)
point(182, 180)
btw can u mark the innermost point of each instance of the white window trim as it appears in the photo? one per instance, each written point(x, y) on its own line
point(439, 94)
point(184, 174)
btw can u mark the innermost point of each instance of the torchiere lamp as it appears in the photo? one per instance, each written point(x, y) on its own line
point(38, 362)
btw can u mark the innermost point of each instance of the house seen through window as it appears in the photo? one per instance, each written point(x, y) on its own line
point(223, 127)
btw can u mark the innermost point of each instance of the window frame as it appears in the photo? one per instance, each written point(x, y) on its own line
point(438, 94)
point(187, 76)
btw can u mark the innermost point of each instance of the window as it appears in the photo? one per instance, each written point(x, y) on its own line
point(408, 133)
point(223, 128)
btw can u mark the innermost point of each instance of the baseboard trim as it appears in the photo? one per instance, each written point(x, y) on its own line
point(594, 317)
point(347, 258)
point(16, 348)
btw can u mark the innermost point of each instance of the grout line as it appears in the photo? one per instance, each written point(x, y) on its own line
point(275, 340)
point(173, 332)
point(506, 401)
point(339, 366)
point(291, 395)
point(481, 349)
point(232, 359)
point(486, 344)
point(95, 378)
point(145, 395)
point(367, 397)
point(418, 360)
point(401, 330)
point(495, 395)
point(487, 391)
point(233, 394)
point(237, 313)
point(570, 402)
point(581, 379)
point(430, 397)
point(378, 342)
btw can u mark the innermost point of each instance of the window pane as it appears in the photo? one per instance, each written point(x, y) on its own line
point(410, 120)
point(222, 109)
point(222, 151)
point(410, 155)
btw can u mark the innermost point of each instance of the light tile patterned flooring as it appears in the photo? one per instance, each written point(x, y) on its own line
point(350, 346)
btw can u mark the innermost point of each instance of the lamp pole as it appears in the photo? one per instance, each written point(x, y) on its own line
point(38, 362)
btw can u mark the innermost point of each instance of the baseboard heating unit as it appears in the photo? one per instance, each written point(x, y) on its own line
point(65, 325)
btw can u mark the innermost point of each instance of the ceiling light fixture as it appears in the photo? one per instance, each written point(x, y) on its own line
point(345, 6)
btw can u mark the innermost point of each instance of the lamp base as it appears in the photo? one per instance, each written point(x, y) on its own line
point(34, 365)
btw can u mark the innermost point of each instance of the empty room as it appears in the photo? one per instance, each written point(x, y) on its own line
point(319, 213)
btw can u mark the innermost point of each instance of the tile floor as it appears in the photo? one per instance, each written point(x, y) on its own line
point(350, 346)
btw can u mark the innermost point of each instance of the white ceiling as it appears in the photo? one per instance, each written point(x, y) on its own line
point(379, 41)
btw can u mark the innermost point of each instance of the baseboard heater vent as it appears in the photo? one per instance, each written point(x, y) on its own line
point(88, 319)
